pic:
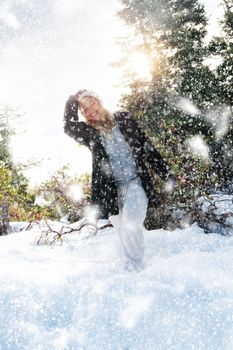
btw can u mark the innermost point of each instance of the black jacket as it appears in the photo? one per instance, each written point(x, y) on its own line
point(147, 158)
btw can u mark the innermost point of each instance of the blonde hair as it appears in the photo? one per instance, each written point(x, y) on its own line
point(106, 123)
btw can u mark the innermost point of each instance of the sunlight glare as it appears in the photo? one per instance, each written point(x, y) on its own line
point(140, 65)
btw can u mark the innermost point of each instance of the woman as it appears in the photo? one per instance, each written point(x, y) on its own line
point(121, 158)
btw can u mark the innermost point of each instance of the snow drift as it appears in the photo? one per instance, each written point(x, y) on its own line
point(78, 296)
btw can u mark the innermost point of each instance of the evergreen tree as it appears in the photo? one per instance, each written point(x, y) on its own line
point(175, 30)
point(224, 47)
point(14, 186)
point(172, 33)
point(7, 116)
point(221, 47)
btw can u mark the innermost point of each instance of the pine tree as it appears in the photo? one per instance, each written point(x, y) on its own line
point(175, 30)
point(7, 115)
point(14, 186)
point(225, 69)
point(172, 33)
point(221, 47)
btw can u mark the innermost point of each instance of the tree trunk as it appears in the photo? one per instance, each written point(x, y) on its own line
point(4, 220)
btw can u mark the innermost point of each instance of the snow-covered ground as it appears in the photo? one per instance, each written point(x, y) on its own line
point(78, 296)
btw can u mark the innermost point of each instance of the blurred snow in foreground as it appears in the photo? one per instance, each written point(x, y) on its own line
point(78, 296)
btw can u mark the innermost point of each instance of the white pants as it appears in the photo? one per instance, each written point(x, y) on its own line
point(129, 223)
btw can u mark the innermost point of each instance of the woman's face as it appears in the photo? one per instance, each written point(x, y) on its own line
point(91, 108)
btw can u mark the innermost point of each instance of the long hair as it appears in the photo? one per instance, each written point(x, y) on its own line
point(105, 125)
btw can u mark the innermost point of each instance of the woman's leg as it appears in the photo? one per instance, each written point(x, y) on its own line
point(132, 217)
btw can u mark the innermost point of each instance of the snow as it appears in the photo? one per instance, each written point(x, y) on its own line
point(78, 296)
point(198, 147)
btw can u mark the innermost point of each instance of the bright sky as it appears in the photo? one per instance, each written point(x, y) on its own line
point(49, 49)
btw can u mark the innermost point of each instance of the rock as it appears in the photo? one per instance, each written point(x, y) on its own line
point(215, 213)
point(229, 222)
point(215, 227)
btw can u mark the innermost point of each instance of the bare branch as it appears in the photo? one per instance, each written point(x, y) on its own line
point(50, 236)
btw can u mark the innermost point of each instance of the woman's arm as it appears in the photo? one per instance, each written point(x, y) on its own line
point(74, 128)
